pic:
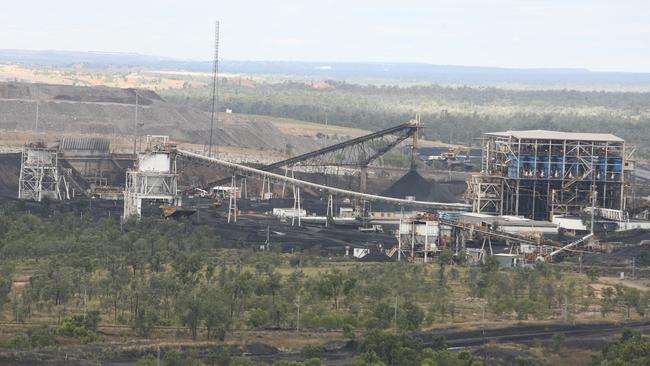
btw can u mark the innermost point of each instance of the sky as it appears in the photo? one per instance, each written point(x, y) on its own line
point(600, 35)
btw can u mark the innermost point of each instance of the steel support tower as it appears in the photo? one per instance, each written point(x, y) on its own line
point(418, 238)
point(39, 175)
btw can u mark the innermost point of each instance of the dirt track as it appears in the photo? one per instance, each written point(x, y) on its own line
point(587, 336)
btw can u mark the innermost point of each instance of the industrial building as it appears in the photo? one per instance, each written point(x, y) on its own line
point(153, 178)
point(538, 174)
point(418, 237)
point(92, 168)
point(75, 166)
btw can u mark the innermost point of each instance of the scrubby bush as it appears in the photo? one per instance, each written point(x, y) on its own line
point(148, 360)
point(34, 337)
point(81, 326)
point(258, 318)
point(312, 351)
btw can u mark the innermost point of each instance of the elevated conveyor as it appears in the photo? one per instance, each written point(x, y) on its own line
point(239, 169)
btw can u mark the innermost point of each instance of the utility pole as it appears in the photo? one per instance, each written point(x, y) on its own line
point(298, 314)
point(399, 242)
point(395, 315)
point(135, 125)
point(38, 103)
point(215, 80)
point(580, 261)
point(483, 303)
point(399, 235)
point(633, 267)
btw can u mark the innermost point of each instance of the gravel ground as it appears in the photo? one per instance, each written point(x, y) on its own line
point(110, 111)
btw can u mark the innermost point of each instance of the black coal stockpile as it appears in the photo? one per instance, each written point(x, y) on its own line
point(375, 256)
point(10, 168)
point(621, 256)
point(413, 184)
point(635, 236)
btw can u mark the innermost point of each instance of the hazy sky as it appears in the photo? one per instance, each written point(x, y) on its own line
point(595, 34)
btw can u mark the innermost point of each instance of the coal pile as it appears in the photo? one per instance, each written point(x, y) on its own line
point(635, 236)
point(375, 256)
point(413, 184)
point(621, 256)
point(10, 168)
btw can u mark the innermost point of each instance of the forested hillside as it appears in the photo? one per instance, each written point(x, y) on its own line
point(451, 114)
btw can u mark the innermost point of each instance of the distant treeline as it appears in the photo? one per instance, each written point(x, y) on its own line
point(451, 114)
point(365, 72)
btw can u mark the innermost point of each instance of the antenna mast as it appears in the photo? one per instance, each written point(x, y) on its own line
point(215, 95)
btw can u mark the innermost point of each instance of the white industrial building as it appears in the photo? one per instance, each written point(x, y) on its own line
point(153, 179)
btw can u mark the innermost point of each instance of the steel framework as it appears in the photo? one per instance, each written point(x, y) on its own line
point(154, 182)
point(39, 175)
point(418, 237)
point(538, 174)
point(356, 153)
point(486, 194)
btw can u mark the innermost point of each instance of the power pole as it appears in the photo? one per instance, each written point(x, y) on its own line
point(580, 266)
point(38, 103)
point(298, 314)
point(483, 303)
point(395, 315)
point(135, 125)
point(215, 80)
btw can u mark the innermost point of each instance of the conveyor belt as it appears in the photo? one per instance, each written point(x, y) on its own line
point(246, 170)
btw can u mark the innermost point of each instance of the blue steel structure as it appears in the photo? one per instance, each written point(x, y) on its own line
point(538, 173)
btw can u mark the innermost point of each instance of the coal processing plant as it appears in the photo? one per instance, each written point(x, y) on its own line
point(540, 174)
point(529, 201)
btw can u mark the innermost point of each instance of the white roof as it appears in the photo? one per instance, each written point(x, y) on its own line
point(557, 135)
point(224, 188)
point(476, 214)
point(506, 220)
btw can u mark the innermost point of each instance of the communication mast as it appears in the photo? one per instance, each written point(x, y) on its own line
point(215, 94)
